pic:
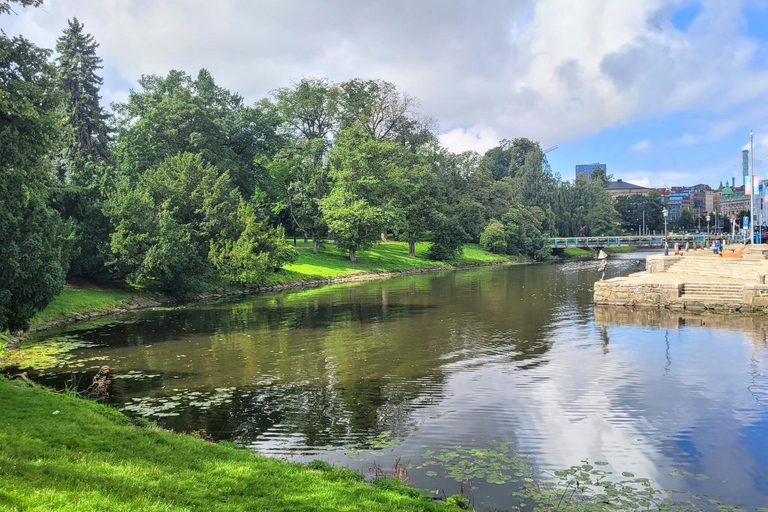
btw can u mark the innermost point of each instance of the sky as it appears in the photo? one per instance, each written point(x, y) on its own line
point(665, 92)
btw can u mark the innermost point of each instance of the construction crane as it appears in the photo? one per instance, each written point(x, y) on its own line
point(550, 149)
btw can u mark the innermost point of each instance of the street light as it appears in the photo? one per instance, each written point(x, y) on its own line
point(708, 233)
point(665, 212)
point(753, 188)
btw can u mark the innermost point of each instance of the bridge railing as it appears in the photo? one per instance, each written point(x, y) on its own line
point(606, 241)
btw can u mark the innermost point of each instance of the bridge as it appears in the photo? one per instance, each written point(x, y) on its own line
point(600, 242)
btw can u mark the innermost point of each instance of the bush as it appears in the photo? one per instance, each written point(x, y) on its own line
point(447, 241)
point(494, 237)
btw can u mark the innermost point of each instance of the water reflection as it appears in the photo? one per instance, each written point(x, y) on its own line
point(516, 354)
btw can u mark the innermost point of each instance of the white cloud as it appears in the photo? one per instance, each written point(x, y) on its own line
point(642, 145)
point(658, 178)
point(551, 70)
point(476, 138)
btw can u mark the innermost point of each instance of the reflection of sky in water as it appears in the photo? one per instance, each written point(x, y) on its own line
point(517, 355)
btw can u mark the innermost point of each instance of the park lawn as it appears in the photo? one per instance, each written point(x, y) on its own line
point(616, 250)
point(58, 452)
point(576, 252)
point(332, 262)
point(76, 300)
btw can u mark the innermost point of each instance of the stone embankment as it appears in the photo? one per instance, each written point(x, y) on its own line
point(695, 281)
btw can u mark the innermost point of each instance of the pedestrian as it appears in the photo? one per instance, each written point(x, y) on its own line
point(718, 246)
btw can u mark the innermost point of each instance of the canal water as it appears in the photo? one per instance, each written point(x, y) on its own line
point(497, 376)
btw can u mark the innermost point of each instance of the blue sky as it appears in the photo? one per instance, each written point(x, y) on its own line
point(664, 92)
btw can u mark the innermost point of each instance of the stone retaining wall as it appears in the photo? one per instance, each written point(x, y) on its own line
point(625, 291)
point(628, 291)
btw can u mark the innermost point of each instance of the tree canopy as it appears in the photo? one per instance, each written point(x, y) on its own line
point(185, 186)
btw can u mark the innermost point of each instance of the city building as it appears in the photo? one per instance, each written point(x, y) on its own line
point(588, 169)
point(733, 201)
point(624, 188)
point(700, 198)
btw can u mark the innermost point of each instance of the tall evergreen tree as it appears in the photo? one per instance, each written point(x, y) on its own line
point(85, 134)
point(32, 262)
point(83, 164)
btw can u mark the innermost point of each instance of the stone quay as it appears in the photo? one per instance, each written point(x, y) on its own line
point(696, 281)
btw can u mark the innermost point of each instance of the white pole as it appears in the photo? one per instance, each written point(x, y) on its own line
point(751, 186)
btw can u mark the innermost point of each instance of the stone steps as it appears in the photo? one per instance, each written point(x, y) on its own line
point(713, 292)
point(720, 268)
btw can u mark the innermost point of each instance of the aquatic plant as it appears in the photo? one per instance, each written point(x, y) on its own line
point(497, 464)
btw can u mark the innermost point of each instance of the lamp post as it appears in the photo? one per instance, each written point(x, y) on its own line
point(708, 233)
point(752, 187)
point(665, 212)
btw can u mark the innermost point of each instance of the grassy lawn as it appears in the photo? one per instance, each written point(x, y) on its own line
point(73, 300)
point(62, 453)
point(616, 250)
point(390, 256)
point(573, 252)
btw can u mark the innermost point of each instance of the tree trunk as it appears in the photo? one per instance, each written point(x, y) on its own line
point(383, 236)
point(314, 244)
point(412, 248)
point(352, 255)
point(305, 238)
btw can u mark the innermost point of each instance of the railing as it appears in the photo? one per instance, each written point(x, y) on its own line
point(607, 241)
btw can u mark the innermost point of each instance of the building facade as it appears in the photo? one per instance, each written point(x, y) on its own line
point(588, 169)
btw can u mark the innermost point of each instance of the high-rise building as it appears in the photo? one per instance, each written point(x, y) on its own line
point(588, 169)
point(745, 165)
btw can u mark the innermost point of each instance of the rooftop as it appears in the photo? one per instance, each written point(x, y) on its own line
point(624, 185)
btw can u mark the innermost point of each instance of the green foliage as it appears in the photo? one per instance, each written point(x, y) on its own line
point(524, 233)
point(82, 208)
point(447, 240)
point(32, 259)
point(84, 134)
point(631, 210)
point(5, 5)
point(300, 177)
point(355, 207)
point(585, 203)
point(83, 168)
point(256, 251)
point(184, 223)
point(176, 114)
point(687, 218)
point(494, 237)
point(496, 464)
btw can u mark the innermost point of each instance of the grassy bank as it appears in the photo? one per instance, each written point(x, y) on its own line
point(576, 252)
point(329, 263)
point(76, 300)
point(58, 452)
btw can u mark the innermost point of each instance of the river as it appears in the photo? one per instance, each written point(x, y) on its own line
point(448, 371)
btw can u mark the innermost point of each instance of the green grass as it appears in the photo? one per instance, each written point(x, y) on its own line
point(58, 452)
point(575, 252)
point(331, 262)
point(73, 300)
point(616, 250)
